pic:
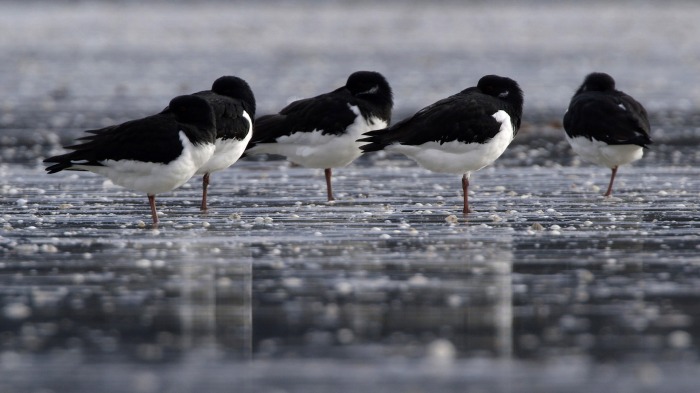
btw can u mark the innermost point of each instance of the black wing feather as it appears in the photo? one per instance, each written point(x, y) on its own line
point(616, 119)
point(329, 113)
point(466, 117)
point(228, 112)
point(151, 139)
point(228, 115)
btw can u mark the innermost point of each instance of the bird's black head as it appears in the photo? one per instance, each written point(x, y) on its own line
point(502, 88)
point(194, 110)
point(373, 88)
point(235, 87)
point(368, 83)
point(597, 81)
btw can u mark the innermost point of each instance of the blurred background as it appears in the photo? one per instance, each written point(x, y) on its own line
point(65, 63)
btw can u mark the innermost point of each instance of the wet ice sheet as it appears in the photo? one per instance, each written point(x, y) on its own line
point(545, 270)
point(199, 372)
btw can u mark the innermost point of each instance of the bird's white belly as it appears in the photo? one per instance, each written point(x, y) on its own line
point(227, 152)
point(457, 157)
point(316, 150)
point(155, 178)
point(601, 153)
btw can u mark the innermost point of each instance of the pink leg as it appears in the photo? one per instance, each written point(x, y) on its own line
point(465, 190)
point(612, 179)
point(205, 185)
point(328, 172)
point(154, 213)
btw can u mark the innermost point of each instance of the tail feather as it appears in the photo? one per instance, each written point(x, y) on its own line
point(643, 140)
point(58, 167)
point(63, 162)
point(375, 141)
point(266, 129)
point(637, 138)
point(60, 163)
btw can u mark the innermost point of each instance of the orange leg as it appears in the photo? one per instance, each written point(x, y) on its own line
point(154, 213)
point(612, 179)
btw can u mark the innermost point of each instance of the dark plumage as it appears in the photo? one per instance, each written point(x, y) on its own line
point(606, 126)
point(233, 103)
point(154, 154)
point(322, 131)
point(459, 134)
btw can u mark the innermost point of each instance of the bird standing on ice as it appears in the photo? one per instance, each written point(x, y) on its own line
point(233, 103)
point(459, 134)
point(153, 155)
point(322, 131)
point(606, 126)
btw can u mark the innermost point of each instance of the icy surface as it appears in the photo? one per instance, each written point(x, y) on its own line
point(546, 287)
point(545, 270)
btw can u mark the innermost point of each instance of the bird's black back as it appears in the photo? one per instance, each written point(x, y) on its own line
point(329, 113)
point(151, 139)
point(228, 112)
point(599, 111)
point(465, 117)
point(229, 97)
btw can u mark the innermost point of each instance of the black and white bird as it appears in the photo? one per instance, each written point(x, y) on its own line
point(233, 103)
point(459, 134)
point(322, 131)
point(153, 155)
point(606, 126)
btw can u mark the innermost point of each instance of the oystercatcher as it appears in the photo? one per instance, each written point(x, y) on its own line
point(153, 155)
point(606, 126)
point(459, 134)
point(233, 103)
point(322, 131)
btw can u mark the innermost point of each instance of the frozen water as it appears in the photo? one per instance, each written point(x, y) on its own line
point(547, 287)
point(278, 273)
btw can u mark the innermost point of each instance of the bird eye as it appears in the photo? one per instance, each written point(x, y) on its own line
point(503, 94)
